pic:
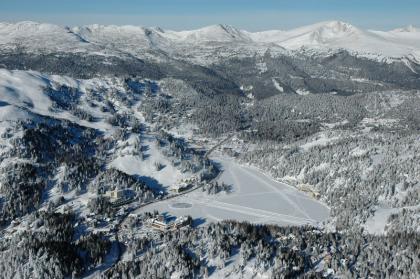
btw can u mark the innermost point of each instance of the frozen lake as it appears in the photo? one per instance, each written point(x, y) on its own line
point(255, 198)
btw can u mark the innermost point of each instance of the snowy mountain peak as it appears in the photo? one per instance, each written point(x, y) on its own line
point(333, 30)
point(28, 27)
point(407, 29)
point(323, 32)
point(217, 33)
point(98, 28)
point(126, 37)
point(227, 28)
point(323, 36)
point(340, 26)
point(35, 36)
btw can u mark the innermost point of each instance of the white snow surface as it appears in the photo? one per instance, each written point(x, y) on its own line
point(341, 35)
point(321, 140)
point(376, 223)
point(255, 198)
point(217, 33)
point(337, 35)
point(320, 37)
point(24, 89)
point(39, 36)
point(277, 85)
point(22, 95)
point(12, 113)
point(134, 165)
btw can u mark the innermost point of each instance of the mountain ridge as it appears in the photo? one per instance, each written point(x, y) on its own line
point(322, 36)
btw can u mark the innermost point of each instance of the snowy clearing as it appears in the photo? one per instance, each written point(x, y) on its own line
point(255, 198)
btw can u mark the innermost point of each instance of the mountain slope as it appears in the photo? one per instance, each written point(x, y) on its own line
point(340, 35)
point(328, 57)
point(127, 38)
point(213, 33)
point(398, 43)
point(139, 109)
point(40, 36)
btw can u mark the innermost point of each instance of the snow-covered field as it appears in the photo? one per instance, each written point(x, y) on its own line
point(376, 224)
point(134, 165)
point(254, 198)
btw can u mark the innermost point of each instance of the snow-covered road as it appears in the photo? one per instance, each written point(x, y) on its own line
point(255, 198)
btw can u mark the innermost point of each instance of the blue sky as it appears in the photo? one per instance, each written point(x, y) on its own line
point(252, 15)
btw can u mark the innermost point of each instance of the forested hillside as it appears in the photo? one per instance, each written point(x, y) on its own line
point(131, 152)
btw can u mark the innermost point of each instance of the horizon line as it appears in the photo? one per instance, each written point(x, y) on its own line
point(203, 26)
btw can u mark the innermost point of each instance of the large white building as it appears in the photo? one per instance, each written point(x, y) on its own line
point(160, 223)
point(118, 194)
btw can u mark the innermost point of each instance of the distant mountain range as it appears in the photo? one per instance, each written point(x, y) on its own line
point(324, 36)
point(327, 57)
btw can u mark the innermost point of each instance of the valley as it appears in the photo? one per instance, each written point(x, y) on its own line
point(134, 152)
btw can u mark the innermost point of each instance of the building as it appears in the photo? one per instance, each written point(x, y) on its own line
point(181, 187)
point(160, 223)
point(180, 222)
point(119, 194)
point(185, 184)
point(192, 179)
point(115, 194)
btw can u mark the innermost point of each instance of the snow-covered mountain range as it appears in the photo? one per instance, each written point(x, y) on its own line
point(139, 152)
point(322, 37)
point(340, 35)
point(327, 57)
